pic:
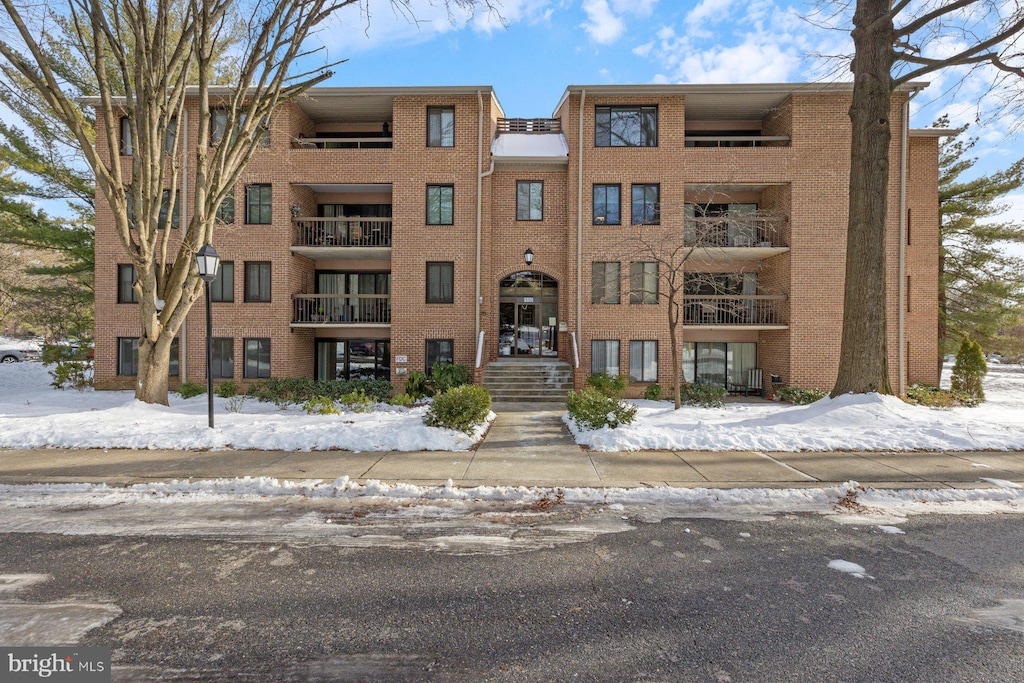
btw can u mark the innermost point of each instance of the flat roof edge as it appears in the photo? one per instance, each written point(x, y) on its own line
point(932, 132)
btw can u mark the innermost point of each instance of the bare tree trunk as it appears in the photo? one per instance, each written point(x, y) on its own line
point(154, 363)
point(673, 323)
point(863, 361)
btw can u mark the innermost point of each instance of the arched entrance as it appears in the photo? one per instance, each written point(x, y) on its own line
point(528, 316)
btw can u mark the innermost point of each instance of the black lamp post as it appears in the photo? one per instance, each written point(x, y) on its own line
point(208, 262)
point(528, 256)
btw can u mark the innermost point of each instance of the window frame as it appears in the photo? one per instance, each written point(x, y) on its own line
point(603, 135)
point(134, 297)
point(246, 295)
point(269, 208)
point(134, 354)
point(642, 295)
point(222, 212)
point(216, 346)
point(530, 185)
point(125, 143)
point(217, 286)
point(260, 373)
point(440, 299)
point(643, 355)
point(427, 364)
point(604, 299)
point(440, 215)
point(165, 206)
point(655, 207)
point(439, 111)
point(618, 204)
point(604, 354)
point(217, 133)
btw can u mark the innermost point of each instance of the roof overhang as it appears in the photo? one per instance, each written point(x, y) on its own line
point(933, 132)
point(347, 188)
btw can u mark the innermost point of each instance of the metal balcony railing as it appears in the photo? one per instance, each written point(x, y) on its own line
point(343, 143)
point(342, 309)
point(751, 310)
point(529, 126)
point(342, 232)
point(733, 231)
point(736, 141)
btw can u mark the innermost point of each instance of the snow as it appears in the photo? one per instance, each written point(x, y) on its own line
point(870, 422)
point(34, 415)
point(851, 568)
point(530, 145)
point(890, 529)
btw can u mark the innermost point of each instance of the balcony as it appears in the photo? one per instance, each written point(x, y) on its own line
point(341, 310)
point(529, 126)
point(342, 238)
point(765, 312)
point(726, 140)
point(736, 238)
point(343, 142)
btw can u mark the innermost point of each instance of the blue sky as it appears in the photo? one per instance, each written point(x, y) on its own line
point(546, 45)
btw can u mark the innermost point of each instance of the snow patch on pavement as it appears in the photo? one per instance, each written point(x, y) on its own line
point(851, 568)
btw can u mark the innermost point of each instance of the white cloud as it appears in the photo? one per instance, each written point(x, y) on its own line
point(750, 62)
point(708, 12)
point(640, 8)
point(643, 50)
point(602, 26)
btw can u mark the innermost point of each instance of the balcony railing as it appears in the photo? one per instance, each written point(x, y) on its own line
point(736, 141)
point(343, 143)
point(750, 310)
point(733, 231)
point(342, 309)
point(529, 126)
point(342, 232)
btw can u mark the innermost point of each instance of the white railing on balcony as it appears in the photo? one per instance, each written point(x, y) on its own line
point(343, 143)
point(342, 309)
point(342, 232)
point(733, 231)
point(761, 309)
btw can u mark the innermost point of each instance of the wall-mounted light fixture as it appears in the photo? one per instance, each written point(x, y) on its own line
point(528, 256)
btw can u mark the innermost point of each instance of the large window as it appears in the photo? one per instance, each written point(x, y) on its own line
point(258, 204)
point(440, 126)
point(721, 364)
point(126, 136)
point(643, 282)
point(626, 127)
point(440, 204)
point(257, 358)
point(222, 289)
point(529, 200)
point(223, 357)
point(606, 205)
point(604, 283)
point(643, 361)
point(165, 205)
point(218, 124)
point(646, 204)
point(128, 356)
point(257, 281)
point(353, 359)
point(226, 210)
point(125, 279)
point(440, 282)
point(439, 351)
point(604, 356)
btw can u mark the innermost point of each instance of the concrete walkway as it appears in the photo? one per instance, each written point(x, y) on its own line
point(527, 447)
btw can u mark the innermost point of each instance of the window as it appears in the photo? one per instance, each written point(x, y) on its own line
point(258, 204)
point(174, 368)
point(353, 359)
point(223, 357)
point(643, 361)
point(440, 126)
point(171, 136)
point(128, 356)
point(439, 351)
point(721, 364)
point(440, 282)
point(604, 356)
point(218, 124)
point(257, 358)
point(626, 127)
point(646, 204)
point(529, 200)
point(226, 210)
point(257, 281)
point(222, 289)
point(125, 278)
point(440, 204)
point(643, 283)
point(604, 283)
point(126, 136)
point(165, 203)
point(606, 205)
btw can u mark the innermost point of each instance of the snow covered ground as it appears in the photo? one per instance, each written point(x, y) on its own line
point(852, 422)
point(34, 415)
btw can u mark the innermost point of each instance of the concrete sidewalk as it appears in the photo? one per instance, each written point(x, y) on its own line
point(525, 447)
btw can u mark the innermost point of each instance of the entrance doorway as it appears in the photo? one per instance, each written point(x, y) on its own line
point(528, 316)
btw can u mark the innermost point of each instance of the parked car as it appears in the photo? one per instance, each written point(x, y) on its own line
point(18, 353)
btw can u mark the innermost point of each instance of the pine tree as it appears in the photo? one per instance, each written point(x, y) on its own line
point(969, 370)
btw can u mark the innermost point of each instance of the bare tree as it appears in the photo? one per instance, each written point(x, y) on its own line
point(147, 57)
point(895, 43)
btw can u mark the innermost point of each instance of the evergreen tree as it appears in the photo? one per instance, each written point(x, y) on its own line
point(981, 286)
point(969, 370)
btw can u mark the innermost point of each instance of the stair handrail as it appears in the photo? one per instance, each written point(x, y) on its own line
point(575, 351)
point(479, 349)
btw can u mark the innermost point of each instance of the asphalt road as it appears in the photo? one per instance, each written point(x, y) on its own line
point(652, 601)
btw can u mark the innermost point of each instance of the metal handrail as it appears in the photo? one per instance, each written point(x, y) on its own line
point(753, 309)
point(733, 231)
point(342, 232)
point(342, 309)
point(343, 143)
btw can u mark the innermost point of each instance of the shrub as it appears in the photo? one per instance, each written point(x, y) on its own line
point(609, 385)
point(703, 395)
point(653, 392)
point(416, 386)
point(226, 389)
point(320, 405)
point(934, 397)
point(801, 397)
point(401, 400)
point(969, 370)
point(445, 376)
point(191, 389)
point(235, 403)
point(283, 391)
point(71, 368)
point(591, 409)
point(357, 401)
point(463, 408)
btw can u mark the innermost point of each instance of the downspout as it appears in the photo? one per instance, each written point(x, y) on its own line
point(901, 334)
point(579, 221)
point(479, 204)
point(182, 346)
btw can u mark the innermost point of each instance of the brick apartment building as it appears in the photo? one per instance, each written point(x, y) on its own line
point(384, 229)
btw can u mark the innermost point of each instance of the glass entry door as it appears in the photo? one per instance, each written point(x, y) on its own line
point(521, 333)
point(528, 316)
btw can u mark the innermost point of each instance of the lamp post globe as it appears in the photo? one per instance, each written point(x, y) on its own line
point(208, 261)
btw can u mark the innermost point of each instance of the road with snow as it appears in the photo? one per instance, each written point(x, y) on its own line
point(547, 591)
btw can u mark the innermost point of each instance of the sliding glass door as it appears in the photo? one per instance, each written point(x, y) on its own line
point(724, 364)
